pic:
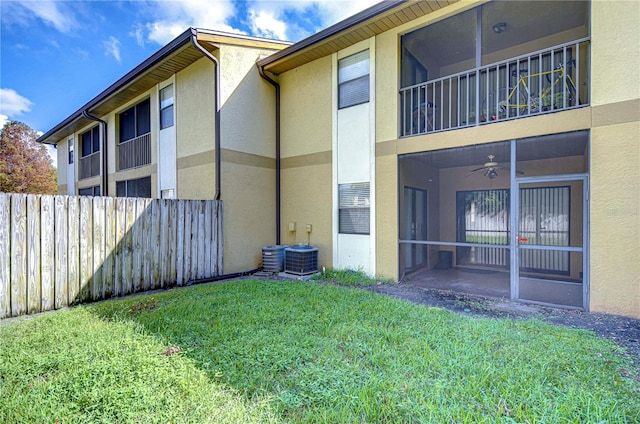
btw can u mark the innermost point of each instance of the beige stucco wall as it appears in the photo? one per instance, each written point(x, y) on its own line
point(195, 129)
point(615, 50)
point(248, 103)
point(306, 136)
point(615, 219)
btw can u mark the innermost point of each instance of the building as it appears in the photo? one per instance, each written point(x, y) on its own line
point(164, 130)
point(410, 139)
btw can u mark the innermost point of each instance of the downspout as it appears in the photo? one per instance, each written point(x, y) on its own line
point(103, 150)
point(277, 87)
point(194, 41)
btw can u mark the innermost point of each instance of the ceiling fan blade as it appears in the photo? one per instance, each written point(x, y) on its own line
point(477, 169)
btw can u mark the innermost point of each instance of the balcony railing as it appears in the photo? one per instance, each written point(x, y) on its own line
point(135, 152)
point(90, 165)
point(541, 82)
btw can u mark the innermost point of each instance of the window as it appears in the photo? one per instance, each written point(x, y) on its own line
point(166, 107)
point(135, 121)
point(353, 206)
point(353, 80)
point(70, 144)
point(90, 141)
point(89, 191)
point(140, 187)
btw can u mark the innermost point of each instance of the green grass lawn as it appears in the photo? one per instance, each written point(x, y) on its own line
point(262, 351)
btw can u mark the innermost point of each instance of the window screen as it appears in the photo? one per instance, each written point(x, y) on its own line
point(89, 191)
point(353, 80)
point(90, 141)
point(140, 187)
point(135, 121)
point(353, 206)
point(166, 107)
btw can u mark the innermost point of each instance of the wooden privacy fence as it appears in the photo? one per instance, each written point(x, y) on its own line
point(60, 250)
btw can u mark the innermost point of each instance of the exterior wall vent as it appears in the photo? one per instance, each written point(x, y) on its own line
point(273, 258)
point(301, 259)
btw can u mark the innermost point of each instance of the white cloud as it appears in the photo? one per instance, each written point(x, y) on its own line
point(112, 48)
point(296, 19)
point(53, 13)
point(264, 23)
point(12, 103)
point(171, 18)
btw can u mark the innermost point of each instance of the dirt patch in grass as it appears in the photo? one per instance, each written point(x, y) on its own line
point(623, 331)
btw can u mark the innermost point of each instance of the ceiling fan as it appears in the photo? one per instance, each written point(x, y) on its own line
point(491, 169)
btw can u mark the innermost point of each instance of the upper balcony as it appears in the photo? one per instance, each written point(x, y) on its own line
point(499, 61)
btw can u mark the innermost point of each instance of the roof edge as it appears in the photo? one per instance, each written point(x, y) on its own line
point(334, 29)
point(152, 60)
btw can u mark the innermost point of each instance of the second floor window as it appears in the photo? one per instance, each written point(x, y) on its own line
point(166, 107)
point(90, 141)
point(135, 121)
point(353, 80)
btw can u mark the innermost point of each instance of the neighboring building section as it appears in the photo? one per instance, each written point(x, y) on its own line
point(159, 123)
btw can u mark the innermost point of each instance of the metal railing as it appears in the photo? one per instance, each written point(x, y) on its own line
point(90, 165)
point(541, 82)
point(135, 152)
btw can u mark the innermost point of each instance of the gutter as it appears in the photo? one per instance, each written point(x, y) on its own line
point(278, 163)
point(205, 52)
point(103, 151)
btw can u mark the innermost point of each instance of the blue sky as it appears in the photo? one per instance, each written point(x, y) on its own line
point(57, 55)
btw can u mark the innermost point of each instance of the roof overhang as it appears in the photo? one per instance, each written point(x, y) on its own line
point(170, 59)
point(370, 22)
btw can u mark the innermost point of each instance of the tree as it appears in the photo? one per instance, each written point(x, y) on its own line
point(25, 166)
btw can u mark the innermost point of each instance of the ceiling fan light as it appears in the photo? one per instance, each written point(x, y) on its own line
point(500, 27)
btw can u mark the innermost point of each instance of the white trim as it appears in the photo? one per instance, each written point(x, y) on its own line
point(334, 158)
point(372, 155)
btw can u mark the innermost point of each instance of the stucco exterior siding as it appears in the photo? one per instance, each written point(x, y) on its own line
point(307, 199)
point(306, 109)
point(249, 215)
point(615, 219)
point(195, 109)
point(387, 216)
point(248, 103)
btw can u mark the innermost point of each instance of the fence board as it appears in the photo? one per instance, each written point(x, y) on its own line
point(188, 221)
point(208, 234)
point(146, 236)
point(5, 287)
point(195, 216)
point(47, 253)
point(73, 257)
point(60, 250)
point(163, 234)
point(180, 231)
point(61, 236)
point(120, 230)
point(109, 246)
point(219, 237)
point(173, 228)
point(18, 256)
point(86, 248)
point(155, 244)
point(34, 290)
point(97, 291)
point(127, 260)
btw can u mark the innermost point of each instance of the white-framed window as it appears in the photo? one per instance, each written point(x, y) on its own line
point(70, 145)
point(139, 187)
point(166, 107)
point(353, 206)
point(353, 80)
